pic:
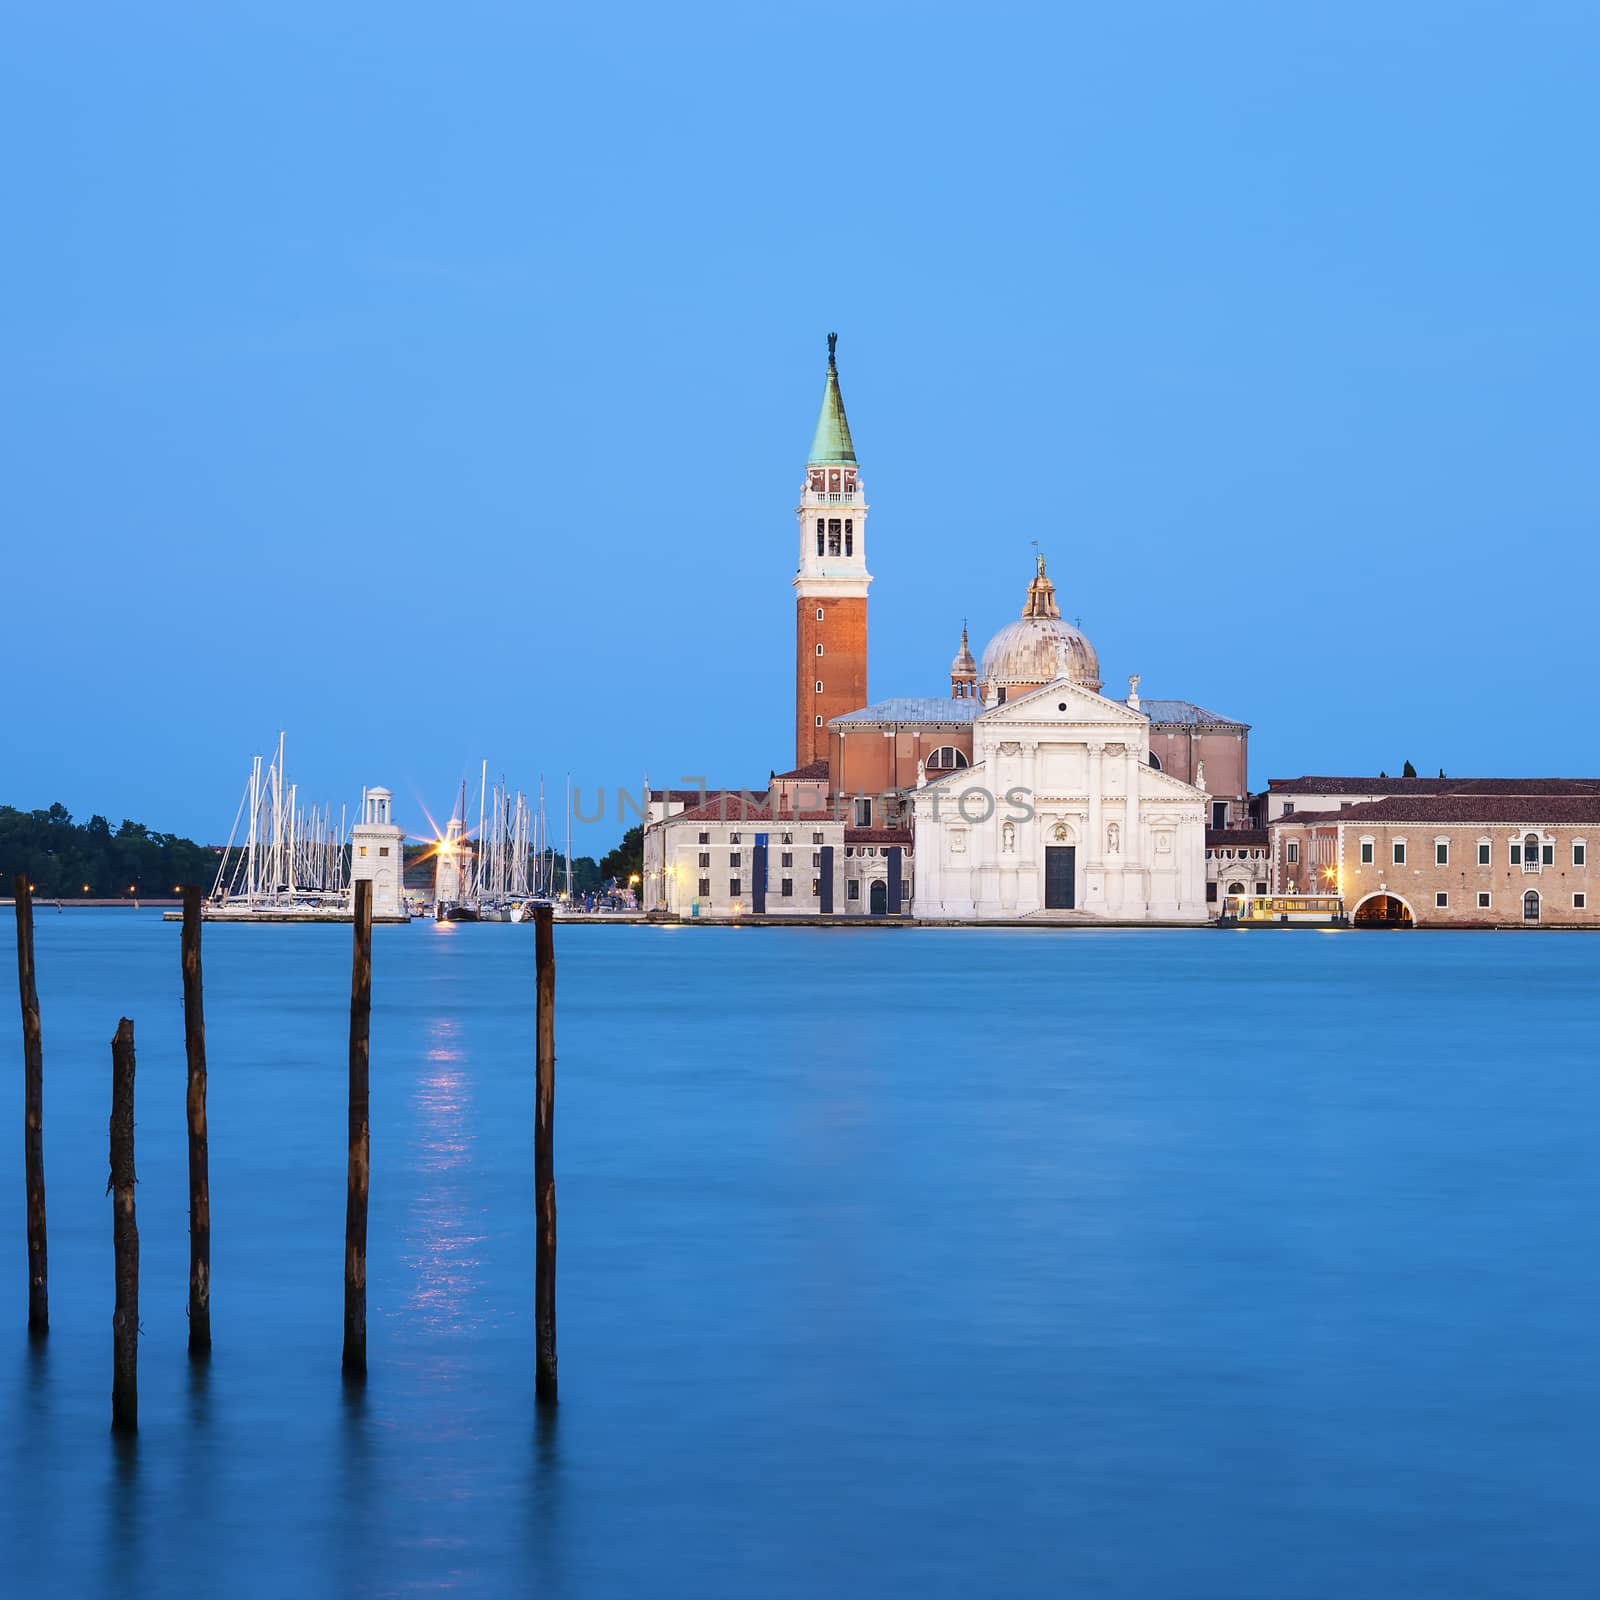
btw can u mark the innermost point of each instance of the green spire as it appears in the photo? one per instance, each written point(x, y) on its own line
point(831, 442)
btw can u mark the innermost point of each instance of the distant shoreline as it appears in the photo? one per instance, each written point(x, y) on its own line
point(139, 903)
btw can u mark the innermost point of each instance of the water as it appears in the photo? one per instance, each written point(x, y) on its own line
point(892, 1263)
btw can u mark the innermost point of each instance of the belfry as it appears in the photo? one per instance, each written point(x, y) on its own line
point(831, 580)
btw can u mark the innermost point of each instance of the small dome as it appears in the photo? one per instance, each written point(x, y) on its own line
point(1039, 647)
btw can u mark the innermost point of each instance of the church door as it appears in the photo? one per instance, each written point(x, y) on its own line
point(879, 899)
point(1060, 877)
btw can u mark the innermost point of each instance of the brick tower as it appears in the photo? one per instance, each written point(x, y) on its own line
point(830, 583)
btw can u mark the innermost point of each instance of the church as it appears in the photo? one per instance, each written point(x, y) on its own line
point(1022, 793)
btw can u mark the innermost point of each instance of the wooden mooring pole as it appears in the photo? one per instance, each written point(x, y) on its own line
point(125, 1238)
point(32, 1114)
point(359, 1170)
point(544, 1175)
point(194, 1042)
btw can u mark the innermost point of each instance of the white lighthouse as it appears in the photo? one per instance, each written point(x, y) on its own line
point(377, 852)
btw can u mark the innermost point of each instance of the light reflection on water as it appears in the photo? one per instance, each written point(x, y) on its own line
point(444, 1235)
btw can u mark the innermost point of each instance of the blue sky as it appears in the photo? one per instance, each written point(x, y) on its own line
point(435, 382)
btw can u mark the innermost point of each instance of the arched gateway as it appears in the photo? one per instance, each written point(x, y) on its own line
point(1383, 911)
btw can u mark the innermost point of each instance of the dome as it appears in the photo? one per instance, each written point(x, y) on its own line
point(1039, 647)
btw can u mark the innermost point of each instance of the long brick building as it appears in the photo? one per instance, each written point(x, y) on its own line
point(1441, 852)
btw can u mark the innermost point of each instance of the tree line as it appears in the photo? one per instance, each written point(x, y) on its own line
point(65, 860)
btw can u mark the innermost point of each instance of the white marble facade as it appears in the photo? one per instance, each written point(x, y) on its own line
point(1061, 786)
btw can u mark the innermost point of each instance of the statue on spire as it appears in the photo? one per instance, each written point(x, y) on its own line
point(1038, 557)
point(833, 340)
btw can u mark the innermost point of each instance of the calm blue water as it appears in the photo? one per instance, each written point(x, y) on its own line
point(899, 1263)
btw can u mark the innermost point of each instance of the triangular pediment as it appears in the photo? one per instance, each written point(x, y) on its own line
point(1043, 706)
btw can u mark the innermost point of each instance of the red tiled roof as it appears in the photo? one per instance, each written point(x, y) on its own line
point(878, 836)
point(731, 806)
point(1516, 810)
point(812, 769)
point(1415, 786)
point(691, 797)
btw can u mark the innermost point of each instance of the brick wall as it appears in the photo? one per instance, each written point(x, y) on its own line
point(841, 669)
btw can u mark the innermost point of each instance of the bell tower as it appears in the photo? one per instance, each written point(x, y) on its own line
point(831, 581)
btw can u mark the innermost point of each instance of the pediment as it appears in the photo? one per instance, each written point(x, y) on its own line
point(1042, 706)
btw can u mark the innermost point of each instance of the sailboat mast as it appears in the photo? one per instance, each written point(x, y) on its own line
point(569, 838)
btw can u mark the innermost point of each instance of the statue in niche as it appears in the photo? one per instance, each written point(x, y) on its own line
point(1200, 776)
point(1008, 836)
point(1113, 838)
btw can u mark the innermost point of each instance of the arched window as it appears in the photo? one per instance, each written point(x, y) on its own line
point(1155, 761)
point(1235, 888)
point(946, 759)
point(1530, 854)
point(1530, 906)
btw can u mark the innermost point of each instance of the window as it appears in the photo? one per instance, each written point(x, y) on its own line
point(1548, 855)
point(383, 849)
point(363, 849)
point(735, 838)
point(946, 759)
point(1530, 906)
point(849, 536)
point(735, 858)
point(863, 813)
point(1219, 813)
point(1399, 852)
point(1441, 852)
point(705, 838)
point(1484, 852)
point(1580, 852)
point(816, 838)
point(1366, 852)
point(1441, 901)
point(816, 858)
point(705, 859)
point(1211, 891)
point(819, 649)
point(733, 888)
point(1516, 852)
point(1288, 808)
point(819, 608)
point(1293, 855)
point(705, 888)
point(787, 888)
point(1261, 888)
point(788, 859)
point(819, 552)
point(852, 890)
point(1483, 899)
point(1580, 901)
point(787, 838)
point(835, 536)
point(819, 722)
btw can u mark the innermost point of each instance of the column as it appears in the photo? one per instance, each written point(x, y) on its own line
point(1093, 875)
point(1133, 895)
